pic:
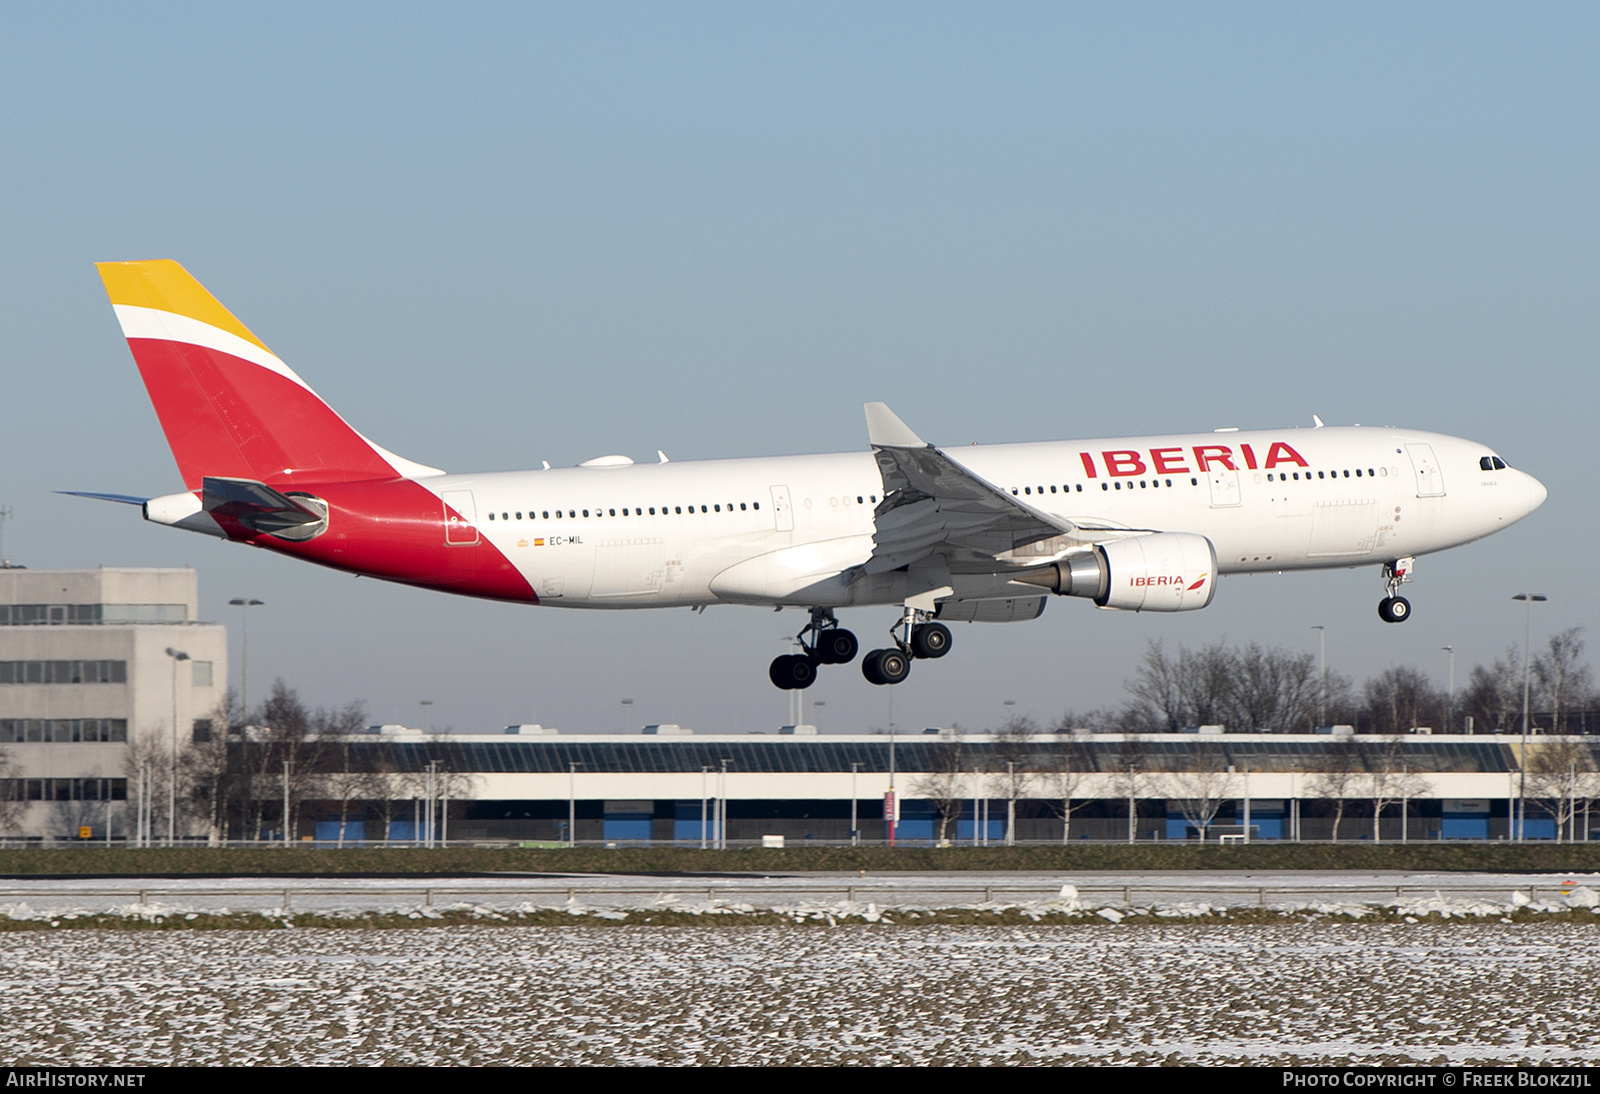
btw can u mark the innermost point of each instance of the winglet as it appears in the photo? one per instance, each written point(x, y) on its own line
point(886, 430)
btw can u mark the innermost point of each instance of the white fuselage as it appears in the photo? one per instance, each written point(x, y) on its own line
point(748, 530)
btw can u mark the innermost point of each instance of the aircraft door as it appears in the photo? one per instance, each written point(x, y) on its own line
point(460, 519)
point(1430, 480)
point(782, 511)
point(1224, 487)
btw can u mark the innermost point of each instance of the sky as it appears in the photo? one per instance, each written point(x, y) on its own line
point(491, 235)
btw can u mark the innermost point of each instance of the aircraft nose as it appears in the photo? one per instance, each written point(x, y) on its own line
point(1536, 493)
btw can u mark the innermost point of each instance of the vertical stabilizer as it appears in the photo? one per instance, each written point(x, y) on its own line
point(229, 407)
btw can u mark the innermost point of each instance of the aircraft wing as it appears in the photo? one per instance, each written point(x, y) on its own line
point(934, 506)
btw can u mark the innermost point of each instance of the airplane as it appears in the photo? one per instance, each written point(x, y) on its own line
point(985, 533)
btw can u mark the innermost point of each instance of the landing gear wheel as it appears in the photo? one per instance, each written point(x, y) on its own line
point(836, 646)
point(885, 667)
point(930, 640)
point(869, 667)
point(792, 672)
point(1394, 609)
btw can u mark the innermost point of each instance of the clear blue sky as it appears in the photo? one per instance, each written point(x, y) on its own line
point(492, 235)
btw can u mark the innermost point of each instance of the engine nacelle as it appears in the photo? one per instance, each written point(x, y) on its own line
point(1162, 572)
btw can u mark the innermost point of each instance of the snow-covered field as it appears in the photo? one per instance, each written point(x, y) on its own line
point(1328, 991)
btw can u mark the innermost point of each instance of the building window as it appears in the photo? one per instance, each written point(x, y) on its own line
point(202, 673)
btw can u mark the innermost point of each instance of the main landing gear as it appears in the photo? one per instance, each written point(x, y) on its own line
point(830, 644)
point(915, 636)
point(1394, 608)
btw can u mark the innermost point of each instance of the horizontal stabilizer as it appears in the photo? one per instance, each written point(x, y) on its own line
point(125, 499)
point(250, 507)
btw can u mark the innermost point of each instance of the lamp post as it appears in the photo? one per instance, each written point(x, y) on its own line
point(244, 604)
point(1527, 678)
point(627, 709)
point(572, 803)
point(422, 707)
point(1450, 703)
point(855, 828)
point(172, 780)
point(1322, 674)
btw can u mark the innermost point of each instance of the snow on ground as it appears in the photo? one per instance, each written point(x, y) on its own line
point(1323, 991)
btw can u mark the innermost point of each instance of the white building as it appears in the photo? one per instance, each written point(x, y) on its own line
point(93, 663)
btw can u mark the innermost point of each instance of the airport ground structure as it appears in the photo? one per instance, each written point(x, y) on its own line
point(112, 731)
point(107, 680)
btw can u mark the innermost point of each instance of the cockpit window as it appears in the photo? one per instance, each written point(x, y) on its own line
point(1491, 463)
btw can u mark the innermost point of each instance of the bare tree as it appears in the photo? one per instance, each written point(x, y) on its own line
point(1558, 772)
point(12, 800)
point(1339, 779)
point(1013, 748)
point(1062, 777)
point(1389, 781)
point(1273, 689)
point(943, 784)
point(1400, 699)
point(207, 770)
point(1564, 682)
point(1493, 696)
point(1203, 788)
point(148, 766)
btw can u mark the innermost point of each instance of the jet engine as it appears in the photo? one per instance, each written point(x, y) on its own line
point(1161, 572)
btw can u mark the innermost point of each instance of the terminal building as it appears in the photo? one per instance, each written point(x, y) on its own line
point(111, 709)
point(668, 785)
point(102, 672)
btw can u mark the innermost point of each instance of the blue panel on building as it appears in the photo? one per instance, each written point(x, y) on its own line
point(1468, 826)
point(995, 830)
point(627, 826)
point(1539, 828)
point(402, 830)
point(354, 830)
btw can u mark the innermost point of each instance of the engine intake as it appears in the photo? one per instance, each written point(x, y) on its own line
point(1162, 572)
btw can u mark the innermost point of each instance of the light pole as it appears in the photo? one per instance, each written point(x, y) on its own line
point(572, 803)
point(1527, 679)
point(1450, 703)
point(286, 765)
point(855, 828)
point(705, 795)
point(627, 709)
point(422, 707)
point(1322, 674)
point(722, 806)
point(172, 780)
point(244, 604)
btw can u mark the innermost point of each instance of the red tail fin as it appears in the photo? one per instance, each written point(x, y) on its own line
point(230, 408)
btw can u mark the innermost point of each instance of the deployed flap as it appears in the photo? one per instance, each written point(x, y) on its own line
point(934, 506)
point(245, 507)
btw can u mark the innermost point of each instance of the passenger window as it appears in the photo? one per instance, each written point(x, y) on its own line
point(1052, 489)
point(757, 504)
point(1103, 486)
point(1080, 488)
point(1169, 482)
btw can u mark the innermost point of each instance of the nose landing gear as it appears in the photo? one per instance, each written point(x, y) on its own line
point(1394, 608)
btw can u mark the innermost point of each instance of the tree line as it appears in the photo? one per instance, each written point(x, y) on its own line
point(1250, 687)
